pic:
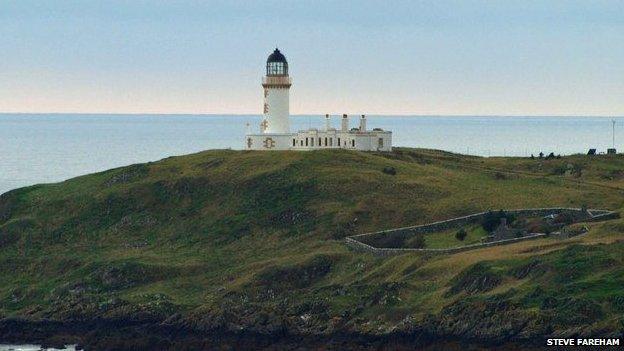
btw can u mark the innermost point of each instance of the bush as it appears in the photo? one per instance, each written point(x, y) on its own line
point(492, 220)
point(564, 219)
point(461, 234)
point(389, 170)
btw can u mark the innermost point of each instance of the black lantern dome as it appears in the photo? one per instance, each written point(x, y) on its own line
point(276, 64)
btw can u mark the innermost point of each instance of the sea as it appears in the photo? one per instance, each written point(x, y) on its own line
point(47, 148)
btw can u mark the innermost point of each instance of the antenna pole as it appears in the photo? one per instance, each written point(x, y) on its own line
point(613, 122)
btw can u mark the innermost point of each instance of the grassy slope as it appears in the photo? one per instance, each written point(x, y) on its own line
point(446, 239)
point(253, 239)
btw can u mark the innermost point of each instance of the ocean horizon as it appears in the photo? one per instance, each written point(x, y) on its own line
point(52, 147)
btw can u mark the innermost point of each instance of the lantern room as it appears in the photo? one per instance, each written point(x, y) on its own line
point(276, 65)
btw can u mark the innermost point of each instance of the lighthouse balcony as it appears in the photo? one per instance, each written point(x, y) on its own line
point(276, 81)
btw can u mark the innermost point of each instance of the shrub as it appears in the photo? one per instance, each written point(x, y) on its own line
point(389, 170)
point(493, 219)
point(461, 234)
point(564, 219)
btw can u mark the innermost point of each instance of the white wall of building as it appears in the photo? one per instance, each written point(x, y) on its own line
point(314, 139)
point(319, 140)
point(277, 112)
point(268, 141)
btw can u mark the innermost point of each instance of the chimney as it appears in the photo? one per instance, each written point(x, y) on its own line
point(363, 124)
point(327, 122)
point(345, 123)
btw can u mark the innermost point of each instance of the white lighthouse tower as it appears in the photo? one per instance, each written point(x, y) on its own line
point(276, 86)
point(275, 131)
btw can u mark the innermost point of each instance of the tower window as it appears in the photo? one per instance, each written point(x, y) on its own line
point(306, 141)
point(320, 143)
point(294, 142)
point(338, 141)
point(353, 143)
point(325, 141)
point(277, 69)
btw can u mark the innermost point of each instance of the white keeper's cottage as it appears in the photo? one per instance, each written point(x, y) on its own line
point(275, 127)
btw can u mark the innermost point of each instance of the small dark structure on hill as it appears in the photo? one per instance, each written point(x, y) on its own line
point(591, 152)
point(504, 232)
point(611, 151)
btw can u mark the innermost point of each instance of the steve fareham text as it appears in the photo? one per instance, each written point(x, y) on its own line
point(583, 342)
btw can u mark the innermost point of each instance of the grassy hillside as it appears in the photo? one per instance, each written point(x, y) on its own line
point(253, 240)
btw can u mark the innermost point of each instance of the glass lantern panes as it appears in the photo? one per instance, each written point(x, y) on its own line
point(277, 69)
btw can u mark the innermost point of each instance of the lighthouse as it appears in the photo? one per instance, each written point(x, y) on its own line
point(276, 86)
point(275, 131)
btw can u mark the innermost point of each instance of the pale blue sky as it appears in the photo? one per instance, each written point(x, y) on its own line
point(376, 57)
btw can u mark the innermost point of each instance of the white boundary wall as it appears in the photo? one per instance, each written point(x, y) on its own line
point(355, 242)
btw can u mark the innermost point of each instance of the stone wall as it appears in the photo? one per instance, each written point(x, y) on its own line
point(365, 242)
point(360, 246)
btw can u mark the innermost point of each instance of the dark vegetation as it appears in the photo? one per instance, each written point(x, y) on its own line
point(461, 234)
point(389, 170)
point(493, 219)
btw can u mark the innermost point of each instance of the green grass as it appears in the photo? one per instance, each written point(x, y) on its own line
point(446, 239)
point(248, 235)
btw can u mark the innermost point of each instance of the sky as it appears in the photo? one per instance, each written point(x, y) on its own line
point(435, 57)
